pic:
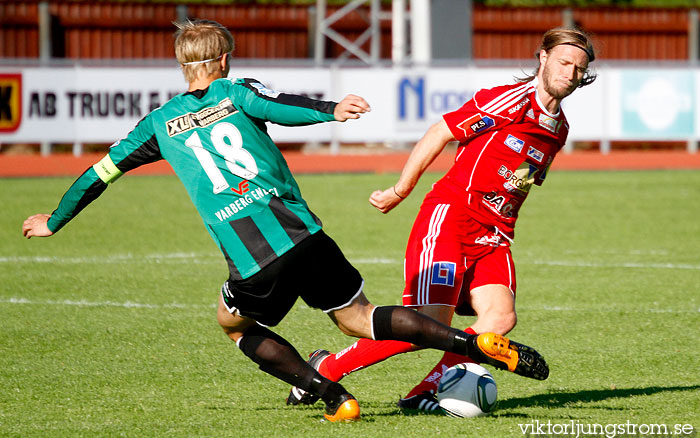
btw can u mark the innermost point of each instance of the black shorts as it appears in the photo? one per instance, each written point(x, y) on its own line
point(315, 270)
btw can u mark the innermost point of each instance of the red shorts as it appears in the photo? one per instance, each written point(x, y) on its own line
point(449, 254)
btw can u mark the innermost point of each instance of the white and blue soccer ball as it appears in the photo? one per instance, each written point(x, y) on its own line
point(467, 390)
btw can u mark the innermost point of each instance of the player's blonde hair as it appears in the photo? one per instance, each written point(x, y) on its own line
point(569, 36)
point(199, 45)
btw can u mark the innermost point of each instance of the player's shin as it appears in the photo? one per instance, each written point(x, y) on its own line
point(277, 357)
point(361, 354)
point(403, 324)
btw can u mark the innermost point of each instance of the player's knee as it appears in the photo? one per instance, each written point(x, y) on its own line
point(505, 323)
point(354, 320)
point(225, 326)
point(500, 323)
point(348, 330)
point(223, 318)
point(232, 324)
point(358, 326)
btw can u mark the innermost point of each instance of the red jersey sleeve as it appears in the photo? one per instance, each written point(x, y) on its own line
point(487, 110)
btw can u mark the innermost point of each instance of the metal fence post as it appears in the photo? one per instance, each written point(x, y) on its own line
point(320, 37)
point(181, 12)
point(44, 52)
point(693, 35)
point(693, 55)
point(44, 32)
point(567, 17)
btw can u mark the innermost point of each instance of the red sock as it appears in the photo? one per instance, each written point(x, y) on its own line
point(430, 382)
point(361, 354)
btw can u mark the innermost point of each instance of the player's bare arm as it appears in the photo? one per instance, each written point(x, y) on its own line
point(36, 226)
point(423, 154)
point(350, 108)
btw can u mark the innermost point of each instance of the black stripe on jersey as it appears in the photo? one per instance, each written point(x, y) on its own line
point(234, 274)
point(316, 219)
point(293, 99)
point(253, 240)
point(92, 193)
point(259, 123)
point(198, 93)
point(293, 226)
point(148, 152)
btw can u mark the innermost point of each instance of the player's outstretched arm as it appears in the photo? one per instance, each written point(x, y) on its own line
point(350, 108)
point(36, 226)
point(423, 154)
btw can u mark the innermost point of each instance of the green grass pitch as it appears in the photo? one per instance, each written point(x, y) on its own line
point(109, 329)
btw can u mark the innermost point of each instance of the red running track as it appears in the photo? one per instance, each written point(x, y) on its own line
point(299, 162)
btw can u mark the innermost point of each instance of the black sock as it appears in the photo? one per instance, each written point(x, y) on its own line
point(277, 357)
point(404, 324)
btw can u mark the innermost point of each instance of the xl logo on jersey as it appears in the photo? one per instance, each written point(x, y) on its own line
point(201, 118)
point(443, 273)
point(476, 124)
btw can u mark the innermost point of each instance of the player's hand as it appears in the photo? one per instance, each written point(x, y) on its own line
point(36, 226)
point(385, 200)
point(350, 108)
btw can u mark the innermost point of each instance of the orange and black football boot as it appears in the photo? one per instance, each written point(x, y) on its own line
point(346, 410)
point(505, 354)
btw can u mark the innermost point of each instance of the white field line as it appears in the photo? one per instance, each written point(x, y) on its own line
point(603, 310)
point(193, 258)
point(155, 258)
point(85, 303)
point(615, 265)
point(133, 305)
point(376, 261)
point(113, 258)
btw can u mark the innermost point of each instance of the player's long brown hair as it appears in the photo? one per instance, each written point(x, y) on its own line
point(199, 40)
point(565, 35)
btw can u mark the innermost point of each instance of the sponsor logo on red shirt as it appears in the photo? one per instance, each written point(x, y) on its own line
point(535, 154)
point(549, 123)
point(514, 143)
point(476, 124)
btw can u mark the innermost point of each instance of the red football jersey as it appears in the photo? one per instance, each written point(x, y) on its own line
point(507, 141)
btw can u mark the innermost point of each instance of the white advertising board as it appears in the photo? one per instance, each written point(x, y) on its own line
point(100, 104)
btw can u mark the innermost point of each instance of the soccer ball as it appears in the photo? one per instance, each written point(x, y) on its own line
point(467, 390)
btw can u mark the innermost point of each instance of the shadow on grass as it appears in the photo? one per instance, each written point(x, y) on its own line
point(559, 399)
point(550, 400)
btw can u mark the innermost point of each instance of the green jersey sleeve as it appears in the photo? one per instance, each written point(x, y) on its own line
point(138, 148)
point(259, 102)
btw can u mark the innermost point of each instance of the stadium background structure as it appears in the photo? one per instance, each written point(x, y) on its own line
point(142, 31)
point(138, 33)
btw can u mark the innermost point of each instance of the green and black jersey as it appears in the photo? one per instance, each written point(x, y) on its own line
point(217, 143)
